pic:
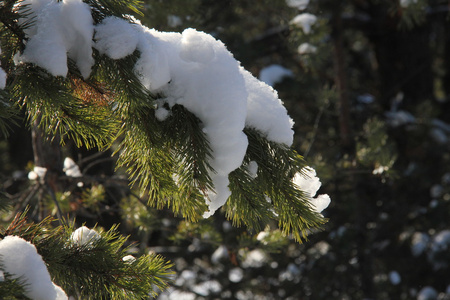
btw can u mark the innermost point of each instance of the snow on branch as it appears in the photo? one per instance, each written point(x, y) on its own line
point(191, 69)
point(20, 259)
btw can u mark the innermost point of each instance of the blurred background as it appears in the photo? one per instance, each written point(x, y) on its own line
point(367, 84)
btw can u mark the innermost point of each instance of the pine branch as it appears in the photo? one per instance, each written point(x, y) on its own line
point(156, 151)
point(96, 269)
point(51, 100)
point(12, 288)
point(273, 195)
point(9, 18)
point(8, 113)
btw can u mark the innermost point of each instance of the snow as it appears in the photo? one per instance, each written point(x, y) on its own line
point(84, 236)
point(207, 287)
point(439, 245)
point(394, 277)
point(305, 21)
point(236, 275)
point(266, 113)
point(2, 79)
point(71, 168)
point(178, 295)
point(174, 21)
point(436, 191)
point(366, 98)
point(306, 48)
point(153, 65)
point(161, 113)
point(254, 259)
point(427, 293)
point(62, 29)
point(441, 241)
point(299, 4)
point(129, 259)
point(20, 259)
point(220, 254)
point(309, 183)
point(380, 170)
point(262, 235)
point(399, 118)
point(440, 131)
point(38, 172)
point(274, 74)
point(116, 38)
point(419, 243)
point(252, 169)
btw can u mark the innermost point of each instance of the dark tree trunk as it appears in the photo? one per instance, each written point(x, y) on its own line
point(404, 58)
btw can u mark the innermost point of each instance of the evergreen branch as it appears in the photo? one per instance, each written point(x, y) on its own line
point(273, 195)
point(12, 288)
point(248, 203)
point(8, 113)
point(60, 111)
point(5, 203)
point(94, 270)
point(155, 152)
point(9, 18)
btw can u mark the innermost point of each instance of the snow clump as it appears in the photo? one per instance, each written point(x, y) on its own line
point(116, 38)
point(394, 277)
point(306, 48)
point(236, 275)
point(438, 252)
point(71, 168)
point(305, 21)
point(274, 74)
point(84, 236)
point(309, 183)
point(63, 29)
point(399, 118)
point(427, 293)
point(21, 259)
point(254, 259)
point(299, 4)
point(221, 253)
point(38, 172)
point(129, 259)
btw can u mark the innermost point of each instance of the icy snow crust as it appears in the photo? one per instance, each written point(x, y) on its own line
point(192, 69)
point(20, 259)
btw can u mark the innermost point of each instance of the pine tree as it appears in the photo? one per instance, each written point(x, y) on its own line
point(82, 73)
